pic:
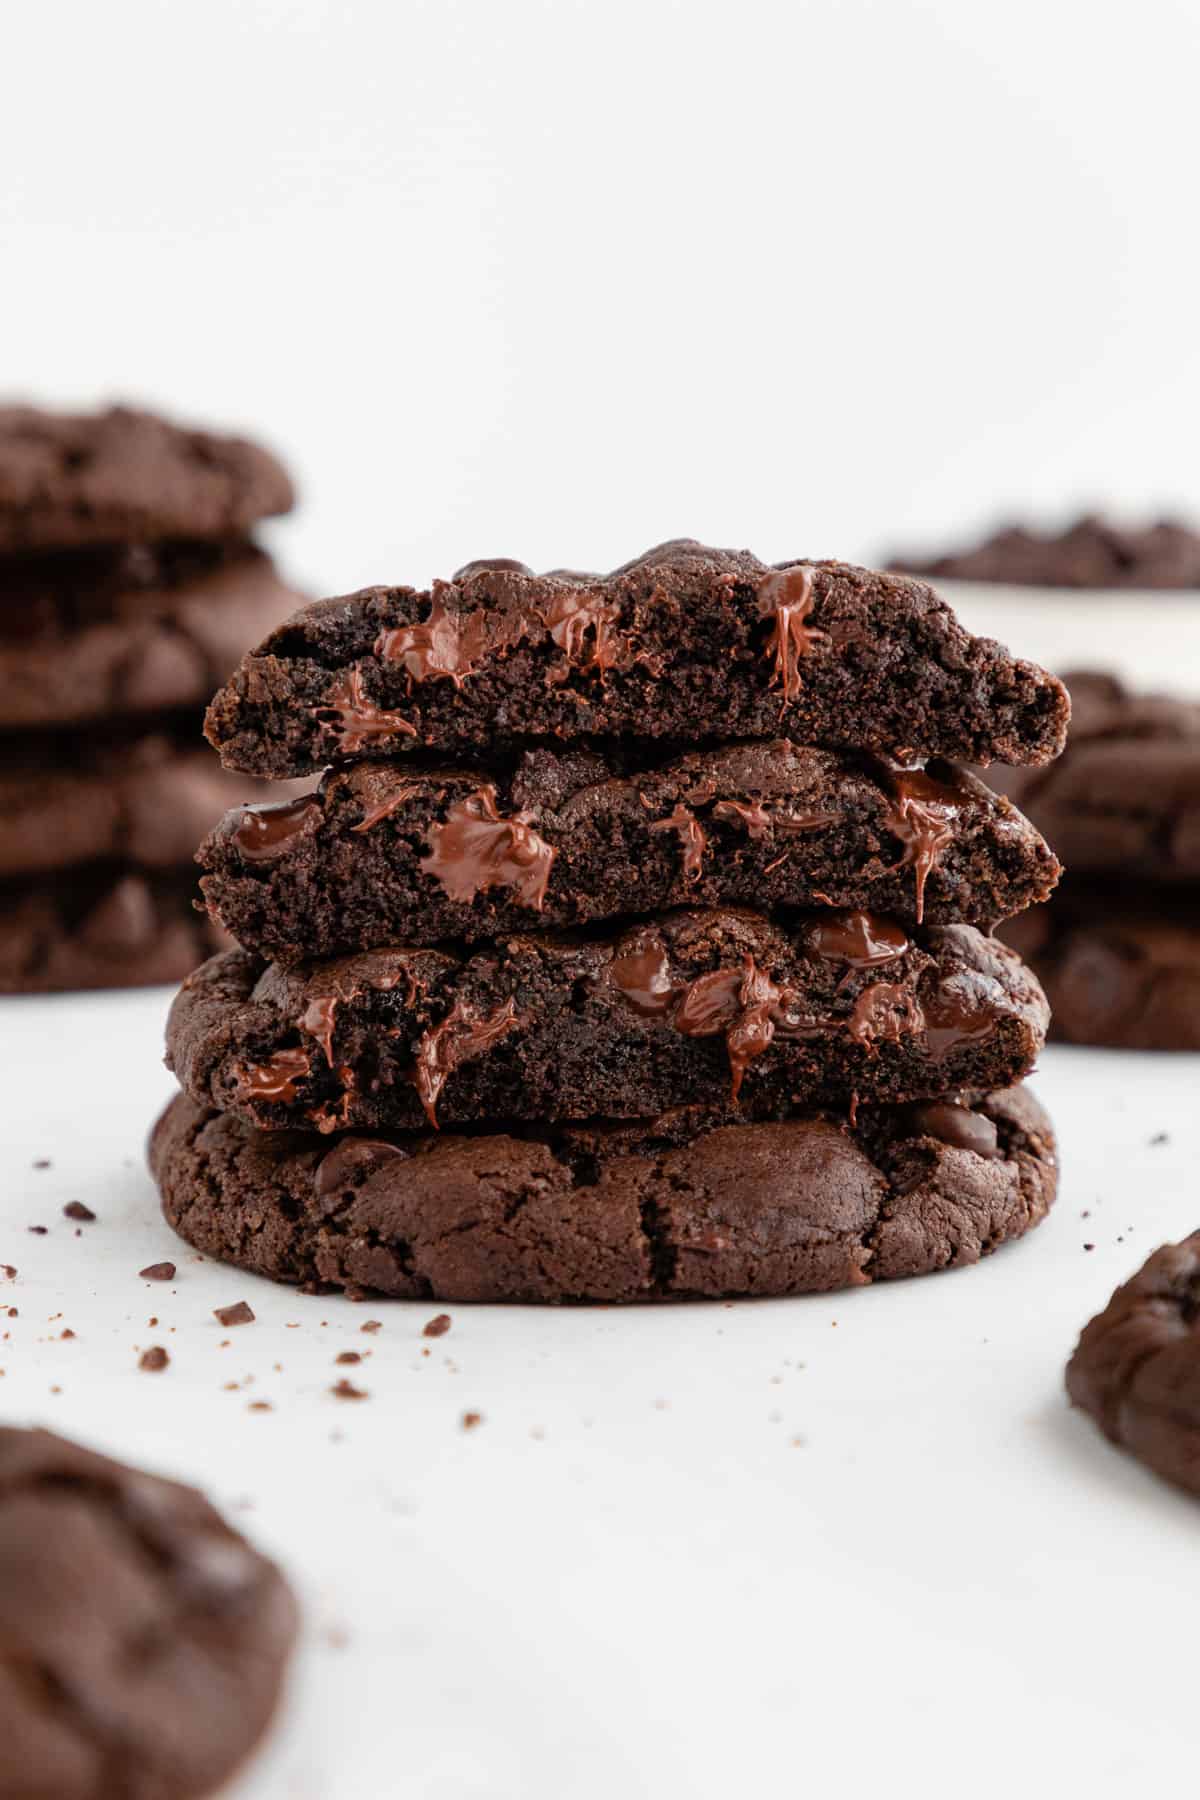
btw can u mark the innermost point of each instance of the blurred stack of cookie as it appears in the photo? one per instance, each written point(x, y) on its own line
point(129, 587)
point(635, 944)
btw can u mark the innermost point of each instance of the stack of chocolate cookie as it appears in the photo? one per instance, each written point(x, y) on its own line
point(130, 588)
point(633, 945)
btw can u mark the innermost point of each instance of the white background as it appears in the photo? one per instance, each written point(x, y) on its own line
point(556, 281)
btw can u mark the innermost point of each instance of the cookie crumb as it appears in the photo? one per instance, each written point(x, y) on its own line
point(43, 1162)
point(1161, 1137)
point(8, 1269)
point(75, 1209)
point(470, 1420)
point(367, 1324)
point(237, 1314)
point(437, 1327)
point(39, 1230)
point(163, 1271)
point(260, 1406)
point(1089, 1246)
point(346, 1390)
point(348, 1356)
point(68, 1333)
point(153, 1359)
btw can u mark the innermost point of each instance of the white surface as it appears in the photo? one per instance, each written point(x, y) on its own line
point(558, 278)
point(842, 1545)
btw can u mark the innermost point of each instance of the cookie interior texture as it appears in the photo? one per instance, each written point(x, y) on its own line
point(1136, 1368)
point(143, 1642)
point(660, 649)
point(687, 1205)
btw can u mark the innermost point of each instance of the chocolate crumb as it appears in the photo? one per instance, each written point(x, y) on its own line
point(1089, 1246)
point(153, 1359)
point(346, 1390)
point(260, 1406)
point(348, 1356)
point(163, 1271)
point(8, 1269)
point(43, 1162)
point(75, 1209)
point(1161, 1137)
point(437, 1327)
point(39, 1230)
point(13, 1313)
point(367, 1325)
point(470, 1420)
point(68, 1333)
point(237, 1314)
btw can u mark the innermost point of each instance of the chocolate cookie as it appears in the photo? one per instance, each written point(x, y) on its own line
point(1136, 1368)
point(384, 853)
point(693, 1008)
point(1120, 966)
point(685, 642)
point(127, 477)
point(681, 1206)
point(1091, 553)
point(142, 1640)
point(1124, 798)
point(128, 795)
point(106, 926)
point(94, 634)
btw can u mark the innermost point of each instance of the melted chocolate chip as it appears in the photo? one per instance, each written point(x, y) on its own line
point(741, 1003)
point(692, 838)
point(350, 1163)
point(319, 1018)
point(354, 717)
point(570, 616)
point(445, 1047)
point(862, 939)
point(446, 647)
point(953, 1018)
point(264, 832)
point(786, 595)
point(642, 974)
point(922, 814)
point(276, 1078)
point(957, 1126)
point(403, 790)
point(886, 1010)
point(477, 849)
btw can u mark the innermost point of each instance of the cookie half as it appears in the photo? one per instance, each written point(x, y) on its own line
point(682, 1206)
point(693, 1008)
point(1136, 1368)
point(129, 631)
point(144, 1640)
point(384, 852)
point(123, 476)
point(102, 926)
point(684, 643)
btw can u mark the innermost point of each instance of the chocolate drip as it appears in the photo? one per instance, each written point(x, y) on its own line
point(264, 832)
point(922, 814)
point(570, 616)
point(787, 596)
point(956, 1125)
point(642, 975)
point(741, 1003)
point(862, 939)
point(352, 1162)
point(477, 849)
point(446, 647)
point(404, 790)
point(318, 1020)
point(276, 1078)
point(459, 1038)
point(355, 718)
point(692, 839)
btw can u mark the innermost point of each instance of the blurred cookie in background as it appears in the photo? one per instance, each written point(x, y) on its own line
point(1092, 553)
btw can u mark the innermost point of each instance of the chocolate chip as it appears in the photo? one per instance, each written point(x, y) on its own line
point(437, 1327)
point(163, 1271)
point(153, 1359)
point(75, 1209)
point(470, 1420)
point(237, 1314)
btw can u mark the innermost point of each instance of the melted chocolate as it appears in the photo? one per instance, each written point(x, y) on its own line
point(741, 1003)
point(922, 814)
point(477, 849)
point(862, 939)
point(276, 1078)
point(357, 721)
point(642, 975)
point(570, 616)
point(319, 1018)
point(957, 1126)
point(403, 790)
point(692, 839)
point(350, 1163)
point(952, 1018)
point(264, 832)
point(460, 1037)
point(886, 1010)
point(761, 823)
point(787, 596)
point(446, 647)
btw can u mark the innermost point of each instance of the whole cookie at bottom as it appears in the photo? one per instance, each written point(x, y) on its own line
point(1120, 967)
point(104, 927)
point(682, 1206)
point(142, 1640)
point(123, 476)
point(1136, 1368)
